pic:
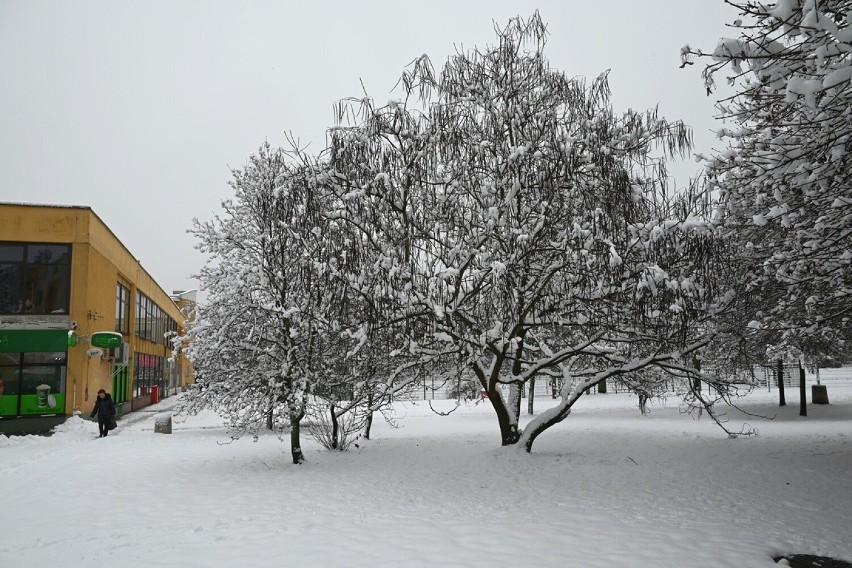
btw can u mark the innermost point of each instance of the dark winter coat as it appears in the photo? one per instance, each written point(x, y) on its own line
point(104, 408)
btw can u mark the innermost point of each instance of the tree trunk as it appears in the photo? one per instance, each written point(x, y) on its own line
point(334, 427)
point(516, 392)
point(602, 387)
point(531, 397)
point(369, 423)
point(508, 428)
point(295, 445)
point(782, 401)
point(514, 403)
point(803, 400)
point(696, 382)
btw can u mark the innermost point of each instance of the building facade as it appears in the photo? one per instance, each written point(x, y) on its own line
point(78, 313)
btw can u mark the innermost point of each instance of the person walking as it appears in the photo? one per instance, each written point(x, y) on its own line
point(105, 409)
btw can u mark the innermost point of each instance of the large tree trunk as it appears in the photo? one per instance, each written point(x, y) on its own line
point(509, 433)
point(508, 426)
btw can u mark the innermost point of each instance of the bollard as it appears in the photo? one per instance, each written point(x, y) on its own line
point(819, 394)
point(163, 423)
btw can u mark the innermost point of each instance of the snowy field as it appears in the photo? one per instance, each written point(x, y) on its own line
point(606, 488)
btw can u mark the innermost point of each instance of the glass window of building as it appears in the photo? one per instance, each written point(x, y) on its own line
point(142, 315)
point(32, 383)
point(35, 278)
point(122, 308)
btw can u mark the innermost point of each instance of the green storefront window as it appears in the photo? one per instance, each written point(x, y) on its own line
point(32, 371)
point(10, 378)
point(41, 390)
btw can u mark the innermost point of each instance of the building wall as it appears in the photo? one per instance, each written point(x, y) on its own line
point(98, 262)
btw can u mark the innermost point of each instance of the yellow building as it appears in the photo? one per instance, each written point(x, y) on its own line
point(79, 313)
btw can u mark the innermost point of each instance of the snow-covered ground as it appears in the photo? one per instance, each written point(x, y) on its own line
point(606, 488)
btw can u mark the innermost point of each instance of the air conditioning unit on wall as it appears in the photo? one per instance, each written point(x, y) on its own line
point(119, 355)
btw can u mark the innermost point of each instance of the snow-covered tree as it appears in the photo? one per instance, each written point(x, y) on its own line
point(785, 179)
point(282, 333)
point(518, 224)
point(259, 339)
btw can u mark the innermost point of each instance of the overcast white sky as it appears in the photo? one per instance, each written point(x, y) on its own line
point(140, 109)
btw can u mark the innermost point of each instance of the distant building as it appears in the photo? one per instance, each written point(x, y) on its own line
point(78, 313)
point(186, 300)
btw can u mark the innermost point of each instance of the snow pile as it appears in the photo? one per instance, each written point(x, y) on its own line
point(163, 422)
point(74, 427)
